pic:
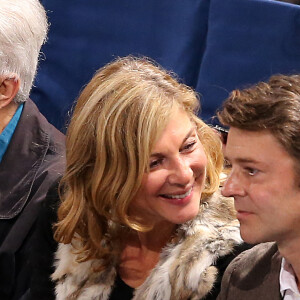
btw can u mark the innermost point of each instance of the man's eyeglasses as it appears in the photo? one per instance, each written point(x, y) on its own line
point(223, 132)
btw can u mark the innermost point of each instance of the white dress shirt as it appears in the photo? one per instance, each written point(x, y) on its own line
point(287, 281)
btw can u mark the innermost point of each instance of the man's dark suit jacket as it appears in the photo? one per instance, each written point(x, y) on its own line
point(253, 275)
point(34, 159)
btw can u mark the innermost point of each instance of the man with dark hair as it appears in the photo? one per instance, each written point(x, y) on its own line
point(263, 147)
point(31, 150)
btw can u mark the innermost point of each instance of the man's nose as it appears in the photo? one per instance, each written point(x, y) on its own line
point(233, 186)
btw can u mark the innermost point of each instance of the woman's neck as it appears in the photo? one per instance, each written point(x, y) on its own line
point(157, 238)
point(141, 251)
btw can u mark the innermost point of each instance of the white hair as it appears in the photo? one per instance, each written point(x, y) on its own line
point(23, 30)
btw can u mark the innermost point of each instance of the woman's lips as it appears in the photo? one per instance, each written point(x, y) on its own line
point(179, 199)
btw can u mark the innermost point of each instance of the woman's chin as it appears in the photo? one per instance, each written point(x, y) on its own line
point(182, 218)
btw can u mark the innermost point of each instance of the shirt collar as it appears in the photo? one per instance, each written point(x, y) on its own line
point(9, 130)
point(287, 279)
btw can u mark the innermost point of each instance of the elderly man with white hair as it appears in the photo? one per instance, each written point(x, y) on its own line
point(31, 150)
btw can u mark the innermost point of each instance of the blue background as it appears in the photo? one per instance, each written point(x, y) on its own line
point(213, 45)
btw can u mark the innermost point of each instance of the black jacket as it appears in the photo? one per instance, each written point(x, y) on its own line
point(34, 159)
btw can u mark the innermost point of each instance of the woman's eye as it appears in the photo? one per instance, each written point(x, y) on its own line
point(155, 163)
point(188, 146)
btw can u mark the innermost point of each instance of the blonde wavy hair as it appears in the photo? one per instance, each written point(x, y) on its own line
point(117, 119)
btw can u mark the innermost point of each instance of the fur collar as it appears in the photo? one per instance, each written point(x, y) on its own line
point(185, 269)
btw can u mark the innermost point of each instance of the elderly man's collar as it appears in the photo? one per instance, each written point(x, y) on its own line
point(9, 87)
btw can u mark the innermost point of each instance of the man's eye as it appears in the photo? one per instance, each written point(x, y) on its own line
point(251, 171)
point(155, 163)
point(227, 164)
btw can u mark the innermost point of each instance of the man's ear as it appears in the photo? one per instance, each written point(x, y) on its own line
point(9, 87)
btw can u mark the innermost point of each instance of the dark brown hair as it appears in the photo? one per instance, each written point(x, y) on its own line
point(273, 106)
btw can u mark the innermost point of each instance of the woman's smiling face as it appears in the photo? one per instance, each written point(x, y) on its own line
point(172, 188)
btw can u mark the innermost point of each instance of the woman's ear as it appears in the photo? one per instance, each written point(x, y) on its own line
point(9, 87)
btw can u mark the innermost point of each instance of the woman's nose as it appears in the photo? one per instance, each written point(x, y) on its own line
point(181, 173)
point(233, 186)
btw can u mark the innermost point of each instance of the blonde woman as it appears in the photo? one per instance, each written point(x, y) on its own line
point(141, 216)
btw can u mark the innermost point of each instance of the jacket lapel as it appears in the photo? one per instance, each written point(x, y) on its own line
point(22, 160)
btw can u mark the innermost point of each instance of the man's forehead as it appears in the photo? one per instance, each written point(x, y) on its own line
point(244, 146)
point(249, 146)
